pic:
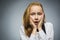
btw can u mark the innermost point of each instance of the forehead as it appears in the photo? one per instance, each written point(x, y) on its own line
point(36, 8)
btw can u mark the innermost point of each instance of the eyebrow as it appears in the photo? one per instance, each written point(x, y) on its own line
point(37, 12)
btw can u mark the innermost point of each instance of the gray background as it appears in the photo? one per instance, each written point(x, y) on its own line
point(12, 12)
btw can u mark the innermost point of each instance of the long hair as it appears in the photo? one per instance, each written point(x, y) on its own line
point(26, 19)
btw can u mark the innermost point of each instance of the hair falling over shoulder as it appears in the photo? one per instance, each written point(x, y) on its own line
point(26, 22)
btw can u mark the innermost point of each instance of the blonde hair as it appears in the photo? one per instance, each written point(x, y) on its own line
point(26, 22)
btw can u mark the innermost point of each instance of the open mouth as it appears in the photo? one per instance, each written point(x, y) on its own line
point(36, 22)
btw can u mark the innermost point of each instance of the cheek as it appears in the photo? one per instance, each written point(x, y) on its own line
point(32, 17)
point(40, 17)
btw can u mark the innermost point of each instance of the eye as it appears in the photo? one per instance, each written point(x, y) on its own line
point(39, 13)
point(32, 13)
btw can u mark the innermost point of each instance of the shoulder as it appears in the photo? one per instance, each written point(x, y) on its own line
point(48, 24)
point(48, 27)
point(22, 28)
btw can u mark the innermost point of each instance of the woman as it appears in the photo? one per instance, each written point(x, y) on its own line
point(34, 25)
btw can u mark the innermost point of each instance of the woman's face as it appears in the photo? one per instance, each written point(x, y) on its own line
point(36, 14)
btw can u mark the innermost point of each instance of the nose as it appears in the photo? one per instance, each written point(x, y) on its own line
point(36, 17)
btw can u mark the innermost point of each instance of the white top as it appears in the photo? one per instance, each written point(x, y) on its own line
point(40, 35)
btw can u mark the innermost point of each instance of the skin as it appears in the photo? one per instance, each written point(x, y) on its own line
point(36, 18)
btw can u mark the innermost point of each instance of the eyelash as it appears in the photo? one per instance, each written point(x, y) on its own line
point(32, 13)
point(37, 13)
